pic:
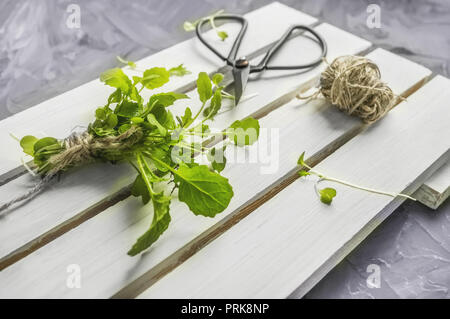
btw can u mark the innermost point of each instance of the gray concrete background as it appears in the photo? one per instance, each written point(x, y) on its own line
point(40, 57)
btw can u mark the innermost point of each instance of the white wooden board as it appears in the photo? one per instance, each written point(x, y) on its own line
point(51, 212)
point(99, 245)
point(294, 239)
point(270, 93)
point(436, 189)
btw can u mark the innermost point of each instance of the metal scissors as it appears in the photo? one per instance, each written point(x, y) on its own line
point(241, 67)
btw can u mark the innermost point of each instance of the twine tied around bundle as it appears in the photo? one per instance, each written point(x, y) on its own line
point(353, 84)
point(79, 149)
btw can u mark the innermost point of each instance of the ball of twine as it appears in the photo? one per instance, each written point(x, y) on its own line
point(353, 85)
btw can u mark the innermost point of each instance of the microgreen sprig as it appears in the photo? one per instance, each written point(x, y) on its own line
point(190, 26)
point(326, 195)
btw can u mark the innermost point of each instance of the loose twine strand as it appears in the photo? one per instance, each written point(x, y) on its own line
point(353, 85)
point(79, 149)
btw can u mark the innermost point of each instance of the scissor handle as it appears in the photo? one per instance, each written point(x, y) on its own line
point(237, 42)
point(276, 46)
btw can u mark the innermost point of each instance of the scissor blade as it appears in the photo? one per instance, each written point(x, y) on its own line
point(240, 76)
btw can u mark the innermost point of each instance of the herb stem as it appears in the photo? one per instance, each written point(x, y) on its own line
point(143, 174)
point(370, 190)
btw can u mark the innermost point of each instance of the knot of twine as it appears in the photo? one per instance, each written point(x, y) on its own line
point(80, 149)
point(353, 85)
point(84, 148)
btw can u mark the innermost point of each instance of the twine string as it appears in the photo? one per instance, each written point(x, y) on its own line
point(79, 149)
point(353, 84)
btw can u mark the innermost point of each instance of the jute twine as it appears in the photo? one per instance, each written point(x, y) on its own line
point(353, 85)
point(79, 149)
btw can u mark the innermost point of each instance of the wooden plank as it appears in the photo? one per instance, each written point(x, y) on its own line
point(106, 237)
point(294, 239)
point(436, 189)
point(59, 115)
point(49, 214)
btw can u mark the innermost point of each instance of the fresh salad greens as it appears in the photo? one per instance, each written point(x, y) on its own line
point(327, 194)
point(160, 146)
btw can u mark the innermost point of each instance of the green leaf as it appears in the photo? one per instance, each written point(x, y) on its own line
point(187, 119)
point(166, 99)
point(327, 195)
point(135, 96)
point(179, 71)
point(155, 77)
point(214, 106)
point(115, 97)
point(44, 143)
point(116, 78)
point(244, 132)
point(127, 109)
point(100, 114)
point(206, 193)
point(160, 222)
point(301, 159)
point(222, 35)
point(303, 173)
point(153, 121)
point(217, 159)
point(217, 78)
point(140, 189)
point(137, 120)
point(111, 121)
point(204, 87)
point(27, 143)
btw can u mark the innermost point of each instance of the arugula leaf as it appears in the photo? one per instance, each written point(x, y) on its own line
point(301, 159)
point(217, 159)
point(27, 143)
point(166, 99)
point(127, 109)
point(222, 35)
point(186, 119)
point(115, 97)
point(217, 78)
point(153, 121)
point(206, 193)
point(179, 71)
point(155, 77)
point(204, 87)
point(244, 132)
point(116, 78)
point(327, 195)
point(214, 106)
point(160, 222)
point(140, 189)
point(44, 144)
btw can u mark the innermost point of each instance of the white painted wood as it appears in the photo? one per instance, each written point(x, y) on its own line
point(48, 211)
point(21, 227)
point(436, 189)
point(99, 245)
point(294, 238)
point(59, 115)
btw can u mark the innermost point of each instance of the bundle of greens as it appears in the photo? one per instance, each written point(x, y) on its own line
point(159, 145)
